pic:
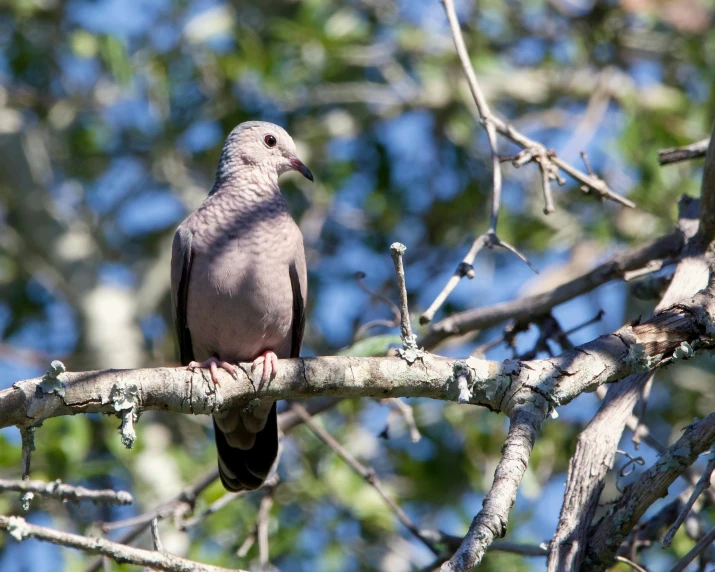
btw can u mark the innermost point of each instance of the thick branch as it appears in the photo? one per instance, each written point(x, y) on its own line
point(491, 522)
point(593, 458)
point(597, 443)
point(496, 385)
point(20, 529)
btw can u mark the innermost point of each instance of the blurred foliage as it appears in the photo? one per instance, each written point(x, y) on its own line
point(112, 115)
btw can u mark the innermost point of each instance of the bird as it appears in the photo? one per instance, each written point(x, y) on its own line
point(239, 285)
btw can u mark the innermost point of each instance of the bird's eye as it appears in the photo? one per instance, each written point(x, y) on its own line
point(270, 140)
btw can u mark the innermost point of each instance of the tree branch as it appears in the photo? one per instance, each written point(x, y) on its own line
point(685, 153)
point(61, 491)
point(607, 535)
point(481, 318)
point(20, 529)
point(633, 348)
point(491, 522)
point(597, 443)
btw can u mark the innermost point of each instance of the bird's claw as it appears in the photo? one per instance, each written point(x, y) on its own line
point(270, 365)
point(213, 364)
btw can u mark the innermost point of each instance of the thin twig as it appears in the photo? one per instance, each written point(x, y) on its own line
point(212, 508)
point(533, 148)
point(396, 404)
point(685, 153)
point(702, 545)
point(155, 536)
point(247, 544)
point(464, 268)
point(262, 527)
point(366, 473)
point(634, 566)
point(359, 277)
point(58, 490)
point(409, 351)
point(586, 162)
point(20, 529)
point(702, 484)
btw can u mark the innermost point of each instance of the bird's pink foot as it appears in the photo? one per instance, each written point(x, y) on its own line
point(270, 364)
point(213, 364)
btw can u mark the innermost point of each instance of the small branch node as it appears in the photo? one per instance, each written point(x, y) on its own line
point(51, 382)
point(125, 398)
point(465, 269)
point(126, 429)
point(17, 527)
point(462, 374)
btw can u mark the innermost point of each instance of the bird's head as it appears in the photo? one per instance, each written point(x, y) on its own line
point(260, 145)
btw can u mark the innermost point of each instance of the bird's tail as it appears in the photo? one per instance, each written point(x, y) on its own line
point(247, 447)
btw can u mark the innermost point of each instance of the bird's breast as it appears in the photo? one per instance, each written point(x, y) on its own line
point(240, 301)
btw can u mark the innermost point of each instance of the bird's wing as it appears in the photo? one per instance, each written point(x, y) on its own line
point(297, 284)
point(181, 258)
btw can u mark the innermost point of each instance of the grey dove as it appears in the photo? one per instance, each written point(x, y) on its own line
point(238, 284)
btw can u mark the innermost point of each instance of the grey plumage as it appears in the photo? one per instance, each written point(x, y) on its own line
point(238, 278)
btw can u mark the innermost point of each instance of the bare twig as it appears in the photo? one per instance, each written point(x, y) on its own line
point(533, 148)
point(58, 490)
point(532, 152)
point(155, 535)
point(701, 485)
point(397, 405)
point(397, 250)
point(482, 318)
point(20, 529)
point(549, 164)
point(410, 351)
point(464, 268)
point(702, 545)
point(685, 153)
point(359, 277)
point(262, 526)
point(634, 566)
point(215, 506)
point(366, 473)
point(247, 544)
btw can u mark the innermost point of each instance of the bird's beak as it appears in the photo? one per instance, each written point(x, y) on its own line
point(297, 165)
